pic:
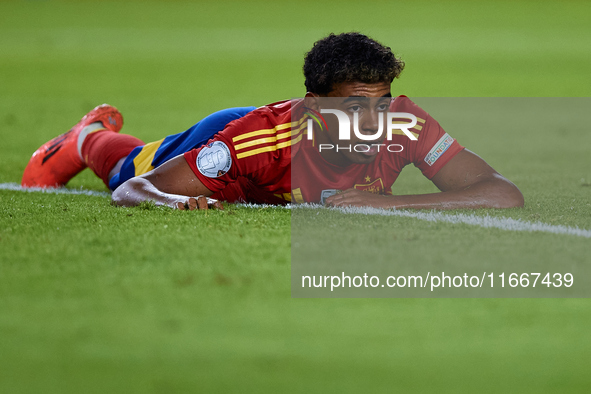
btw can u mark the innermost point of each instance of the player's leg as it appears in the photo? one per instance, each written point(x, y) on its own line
point(60, 159)
point(104, 150)
point(113, 157)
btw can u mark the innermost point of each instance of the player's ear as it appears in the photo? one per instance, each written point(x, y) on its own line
point(311, 101)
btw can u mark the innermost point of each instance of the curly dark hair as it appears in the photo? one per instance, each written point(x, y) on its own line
point(349, 57)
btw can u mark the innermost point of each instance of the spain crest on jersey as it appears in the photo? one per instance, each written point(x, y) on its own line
point(376, 187)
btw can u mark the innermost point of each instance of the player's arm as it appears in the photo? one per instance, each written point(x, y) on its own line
point(173, 184)
point(466, 181)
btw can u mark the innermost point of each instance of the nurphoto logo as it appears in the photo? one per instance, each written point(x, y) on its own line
point(399, 121)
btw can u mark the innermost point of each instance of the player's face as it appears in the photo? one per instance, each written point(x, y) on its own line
point(370, 102)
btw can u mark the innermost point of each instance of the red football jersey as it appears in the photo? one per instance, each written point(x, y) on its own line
point(265, 158)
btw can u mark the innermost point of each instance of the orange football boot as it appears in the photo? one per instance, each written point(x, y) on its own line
point(57, 161)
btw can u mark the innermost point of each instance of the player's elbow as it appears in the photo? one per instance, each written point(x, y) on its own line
point(117, 197)
point(123, 196)
point(507, 195)
point(513, 199)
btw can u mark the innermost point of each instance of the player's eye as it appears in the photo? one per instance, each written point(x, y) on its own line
point(355, 108)
point(383, 107)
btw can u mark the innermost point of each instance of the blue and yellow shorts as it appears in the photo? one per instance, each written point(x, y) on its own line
point(147, 157)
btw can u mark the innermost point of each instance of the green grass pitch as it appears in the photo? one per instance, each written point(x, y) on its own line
point(100, 299)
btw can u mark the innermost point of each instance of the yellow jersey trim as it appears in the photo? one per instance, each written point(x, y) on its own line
point(273, 148)
point(297, 196)
point(262, 141)
point(274, 130)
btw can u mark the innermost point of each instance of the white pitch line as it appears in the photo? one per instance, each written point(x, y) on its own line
point(52, 190)
point(507, 224)
point(261, 206)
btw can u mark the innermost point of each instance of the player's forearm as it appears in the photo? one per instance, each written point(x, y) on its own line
point(137, 190)
point(494, 193)
point(491, 193)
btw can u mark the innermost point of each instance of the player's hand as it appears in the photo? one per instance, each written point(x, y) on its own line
point(360, 198)
point(200, 202)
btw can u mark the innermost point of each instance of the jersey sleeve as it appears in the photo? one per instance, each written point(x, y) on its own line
point(246, 147)
point(434, 147)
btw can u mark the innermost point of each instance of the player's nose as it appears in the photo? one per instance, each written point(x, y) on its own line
point(372, 123)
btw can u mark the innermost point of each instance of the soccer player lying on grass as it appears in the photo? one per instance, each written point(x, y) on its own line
point(264, 155)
